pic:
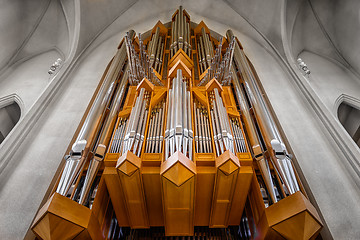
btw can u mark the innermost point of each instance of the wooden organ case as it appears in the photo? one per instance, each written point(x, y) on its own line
point(178, 136)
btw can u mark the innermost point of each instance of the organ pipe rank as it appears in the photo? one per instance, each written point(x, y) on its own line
point(178, 135)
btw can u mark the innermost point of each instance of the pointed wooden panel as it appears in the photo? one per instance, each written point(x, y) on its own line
point(213, 83)
point(179, 65)
point(301, 226)
point(128, 168)
point(183, 57)
point(52, 226)
point(163, 29)
point(201, 25)
point(63, 218)
point(293, 217)
point(145, 84)
point(178, 193)
point(229, 102)
point(228, 166)
point(199, 93)
point(178, 174)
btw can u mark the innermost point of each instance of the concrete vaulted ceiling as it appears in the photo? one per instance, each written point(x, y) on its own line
point(326, 27)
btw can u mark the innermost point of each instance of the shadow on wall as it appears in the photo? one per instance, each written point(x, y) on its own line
point(349, 117)
point(10, 113)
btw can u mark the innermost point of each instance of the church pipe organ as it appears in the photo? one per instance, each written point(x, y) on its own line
point(178, 135)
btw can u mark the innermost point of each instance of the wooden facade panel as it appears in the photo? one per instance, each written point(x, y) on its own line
point(222, 198)
point(152, 188)
point(116, 195)
point(225, 181)
point(180, 220)
point(205, 179)
point(179, 207)
point(224, 191)
point(240, 194)
point(134, 198)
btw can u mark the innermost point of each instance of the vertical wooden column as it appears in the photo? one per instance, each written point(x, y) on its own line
point(227, 170)
point(246, 171)
point(178, 175)
point(150, 170)
point(128, 167)
point(114, 188)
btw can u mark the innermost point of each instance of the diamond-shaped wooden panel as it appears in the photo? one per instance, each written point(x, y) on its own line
point(228, 167)
point(128, 163)
point(178, 174)
point(300, 226)
point(127, 167)
point(54, 227)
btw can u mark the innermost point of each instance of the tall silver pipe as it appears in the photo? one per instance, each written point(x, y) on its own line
point(157, 55)
point(176, 33)
point(272, 136)
point(161, 57)
point(172, 39)
point(103, 141)
point(154, 46)
point(203, 53)
point(191, 133)
point(91, 122)
point(181, 28)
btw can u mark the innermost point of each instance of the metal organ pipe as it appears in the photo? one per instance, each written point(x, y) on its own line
point(252, 136)
point(222, 133)
point(179, 133)
point(271, 135)
point(74, 163)
point(137, 120)
point(154, 46)
point(180, 34)
point(103, 140)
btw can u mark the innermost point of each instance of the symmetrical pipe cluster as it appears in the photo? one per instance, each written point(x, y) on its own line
point(118, 136)
point(179, 133)
point(180, 34)
point(221, 127)
point(269, 133)
point(202, 129)
point(205, 50)
point(156, 128)
point(240, 144)
point(155, 50)
point(220, 67)
point(140, 67)
point(135, 130)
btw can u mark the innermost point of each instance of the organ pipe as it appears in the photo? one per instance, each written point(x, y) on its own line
point(200, 141)
point(282, 162)
point(92, 123)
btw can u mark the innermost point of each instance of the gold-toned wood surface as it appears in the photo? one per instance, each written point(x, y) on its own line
point(128, 167)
